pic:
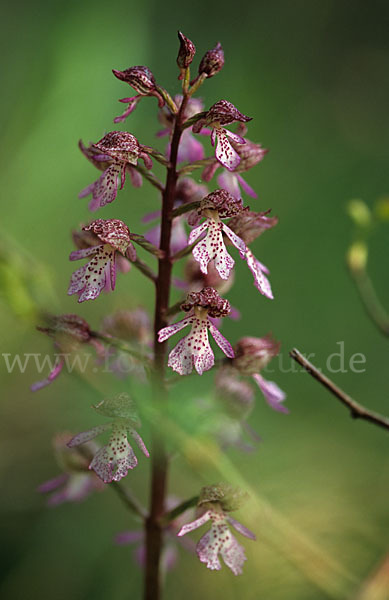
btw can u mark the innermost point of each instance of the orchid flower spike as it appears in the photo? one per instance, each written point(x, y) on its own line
point(116, 152)
point(194, 349)
point(220, 114)
point(112, 461)
point(215, 502)
point(100, 272)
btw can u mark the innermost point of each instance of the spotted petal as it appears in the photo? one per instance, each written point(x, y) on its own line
point(104, 190)
point(221, 340)
point(236, 240)
point(112, 462)
point(167, 332)
point(212, 248)
point(225, 153)
point(193, 350)
point(261, 282)
point(86, 436)
point(195, 524)
point(99, 273)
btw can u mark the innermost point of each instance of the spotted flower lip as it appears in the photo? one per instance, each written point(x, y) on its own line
point(112, 461)
point(118, 152)
point(100, 272)
point(194, 349)
point(219, 540)
point(220, 114)
point(214, 207)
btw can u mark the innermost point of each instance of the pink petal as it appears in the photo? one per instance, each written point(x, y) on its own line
point(233, 554)
point(86, 436)
point(50, 378)
point(261, 282)
point(84, 252)
point(167, 332)
point(207, 550)
point(234, 136)
point(90, 280)
point(139, 441)
point(274, 396)
point(196, 232)
point(52, 484)
point(221, 341)
point(229, 182)
point(245, 186)
point(236, 240)
point(195, 524)
point(241, 528)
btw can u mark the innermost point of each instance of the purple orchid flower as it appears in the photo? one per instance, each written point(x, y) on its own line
point(194, 349)
point(220, 114)
point(100, 272)
point(112, 461)
point(117, 151)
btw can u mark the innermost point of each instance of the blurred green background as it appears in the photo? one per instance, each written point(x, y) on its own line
point(315, 77)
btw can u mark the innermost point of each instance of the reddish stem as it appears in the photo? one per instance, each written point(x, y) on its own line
point(153, 526)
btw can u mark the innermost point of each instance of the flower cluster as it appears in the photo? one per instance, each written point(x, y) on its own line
point(193, 221)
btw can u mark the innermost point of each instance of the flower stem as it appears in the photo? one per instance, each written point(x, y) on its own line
point(153, 526)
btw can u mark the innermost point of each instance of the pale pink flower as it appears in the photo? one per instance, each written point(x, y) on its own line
point(217, 501)
point(118, 151)
point(220, 114)
point(100, 272)
point(190, 149)
point(194, 349)
point(214, 207)
point(112, 461)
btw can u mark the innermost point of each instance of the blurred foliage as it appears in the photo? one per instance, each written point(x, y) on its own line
point(315, 78)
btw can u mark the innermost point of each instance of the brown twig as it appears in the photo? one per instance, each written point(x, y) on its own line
point(357, 410)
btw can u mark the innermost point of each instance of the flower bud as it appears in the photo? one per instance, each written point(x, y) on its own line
point(212, 61)
point(186, 52)
point(129, 325)
point(253, 354)
point(236, 395)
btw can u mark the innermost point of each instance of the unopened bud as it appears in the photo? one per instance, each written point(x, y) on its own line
point(212, 61)
point(186, 52)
